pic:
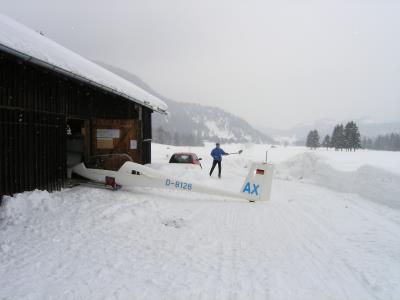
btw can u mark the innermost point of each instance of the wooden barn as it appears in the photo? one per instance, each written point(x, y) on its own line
point(58, 108)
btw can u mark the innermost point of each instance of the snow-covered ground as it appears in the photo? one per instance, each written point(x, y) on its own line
point(331, 231)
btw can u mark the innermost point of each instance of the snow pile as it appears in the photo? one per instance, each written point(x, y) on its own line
point(16, 209)
point(367, 181)
point(22, 39)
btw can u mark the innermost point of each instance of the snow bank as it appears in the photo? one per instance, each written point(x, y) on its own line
point(370, 182)
point(16, 209)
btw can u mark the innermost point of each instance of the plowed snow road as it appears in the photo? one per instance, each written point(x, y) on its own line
point(308, 243)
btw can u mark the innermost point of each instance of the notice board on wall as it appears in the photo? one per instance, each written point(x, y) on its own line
point(116, 136)
point(107, 133)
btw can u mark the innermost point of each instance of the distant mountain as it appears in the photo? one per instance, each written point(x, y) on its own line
point(325, 126)
point(208, 123)
point(374, 129)
point(194, 122)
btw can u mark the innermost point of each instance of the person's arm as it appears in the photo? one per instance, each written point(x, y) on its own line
point(224, 153)
point(213, 153)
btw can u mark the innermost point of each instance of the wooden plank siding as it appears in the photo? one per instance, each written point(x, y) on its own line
point(128, 130)
point(35, 104)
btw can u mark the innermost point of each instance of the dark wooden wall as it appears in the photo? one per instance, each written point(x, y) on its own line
point(147, 135)
point(32, 150)
point(35, 104)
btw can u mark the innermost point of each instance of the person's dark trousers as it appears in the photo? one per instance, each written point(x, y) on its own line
point(215, 162)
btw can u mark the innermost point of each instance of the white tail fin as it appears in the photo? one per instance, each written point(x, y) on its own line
point(258, 183)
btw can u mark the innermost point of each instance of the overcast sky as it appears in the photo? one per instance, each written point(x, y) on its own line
point(275, 63)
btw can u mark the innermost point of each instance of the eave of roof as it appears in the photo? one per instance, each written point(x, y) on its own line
point(31, 46)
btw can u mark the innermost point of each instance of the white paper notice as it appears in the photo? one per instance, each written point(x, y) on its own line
point(107, 133)
point(133, 144)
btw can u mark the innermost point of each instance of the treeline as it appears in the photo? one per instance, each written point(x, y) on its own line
point(162, 136)
point(388, 142)
point(343, 137)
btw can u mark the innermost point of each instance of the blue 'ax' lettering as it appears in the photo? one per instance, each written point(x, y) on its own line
point(247, 189)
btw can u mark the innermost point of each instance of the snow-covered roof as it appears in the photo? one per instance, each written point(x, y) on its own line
point(21, 40)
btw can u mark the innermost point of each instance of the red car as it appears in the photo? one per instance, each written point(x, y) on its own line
point(185, 158)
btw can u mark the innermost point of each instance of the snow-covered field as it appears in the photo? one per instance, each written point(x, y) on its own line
point(331, 231)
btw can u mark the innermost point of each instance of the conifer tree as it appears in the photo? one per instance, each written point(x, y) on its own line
point(352, 139)
point(316, 142)
point(356, 137)
point(327, 142)
point(347, 136)
point(309, 139)
point(334, 139)
point(338, 138)
point(313, 139)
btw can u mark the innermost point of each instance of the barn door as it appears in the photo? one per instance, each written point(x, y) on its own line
point(116, 137)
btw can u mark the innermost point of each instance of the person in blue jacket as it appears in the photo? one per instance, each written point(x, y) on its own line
point(217, 154)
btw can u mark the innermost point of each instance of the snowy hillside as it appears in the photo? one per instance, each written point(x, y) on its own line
point(204, 122)
point(210, 123)
point(331, 231)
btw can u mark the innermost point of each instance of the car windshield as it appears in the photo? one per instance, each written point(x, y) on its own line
point(181, 158)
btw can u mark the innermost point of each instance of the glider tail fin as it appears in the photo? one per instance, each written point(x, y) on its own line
point(258, 183)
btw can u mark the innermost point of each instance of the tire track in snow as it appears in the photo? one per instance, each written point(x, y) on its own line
point(324, 243)
point(304, 244)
